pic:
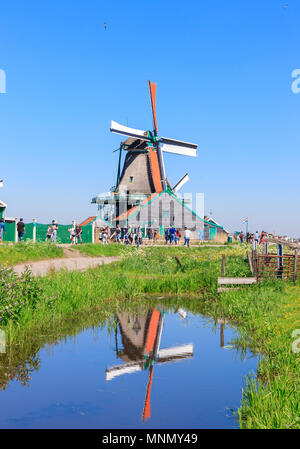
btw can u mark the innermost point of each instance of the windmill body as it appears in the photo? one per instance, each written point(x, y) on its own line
point(143, 175)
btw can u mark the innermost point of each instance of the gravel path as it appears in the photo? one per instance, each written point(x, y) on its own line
point(73, 260)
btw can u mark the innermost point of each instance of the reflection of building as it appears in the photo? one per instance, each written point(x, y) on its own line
point(141, 336)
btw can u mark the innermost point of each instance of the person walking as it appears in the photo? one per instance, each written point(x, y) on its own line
point(21, 229)
point(54, 229)
point(138, 237)
point(166, 235)
point(150, 234)
point(48, 235)
point(72, 232)
point(118, 234)
point(172, 235)
point(256, 241)
point(104, 237)
point(187, 237)
point(2, 229)
point(262, 237)
point(242, 237)
point(78, 232)
point(201, 235)
point(177, 237)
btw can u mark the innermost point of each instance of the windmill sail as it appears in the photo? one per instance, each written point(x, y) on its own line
point(119, 370)
point(181, 182)
point(178, 147)
point(152, 89)
point(126, 131)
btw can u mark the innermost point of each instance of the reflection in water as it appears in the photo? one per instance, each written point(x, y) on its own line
point(68, 390)
point(141, 337)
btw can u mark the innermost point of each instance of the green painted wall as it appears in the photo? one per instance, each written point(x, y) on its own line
point(212, 233)
point(63, 235)
point(9, 236)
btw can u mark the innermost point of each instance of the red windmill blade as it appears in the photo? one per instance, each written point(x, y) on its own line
point(152, 91)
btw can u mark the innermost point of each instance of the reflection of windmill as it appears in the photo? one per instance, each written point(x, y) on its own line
point(143, 173)
point(141, 335)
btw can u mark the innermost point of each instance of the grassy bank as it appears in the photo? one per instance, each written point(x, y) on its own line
point(266, 314)
point(13, 253)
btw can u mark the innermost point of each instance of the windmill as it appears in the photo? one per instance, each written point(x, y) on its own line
point(140, 143)
point(141, 337)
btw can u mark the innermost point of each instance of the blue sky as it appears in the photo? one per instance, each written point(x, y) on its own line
point(223, 72)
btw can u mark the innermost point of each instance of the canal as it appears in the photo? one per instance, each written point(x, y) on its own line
point(154, 368)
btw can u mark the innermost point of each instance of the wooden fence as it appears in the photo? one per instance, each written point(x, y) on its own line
point(276, 266)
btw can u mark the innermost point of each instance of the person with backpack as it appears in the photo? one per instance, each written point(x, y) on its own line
point(172, 233)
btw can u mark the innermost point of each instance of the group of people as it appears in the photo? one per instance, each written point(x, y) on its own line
point(52, 232)
point(134, 235)
point(21, 229)
point(104, 235)
point(253, 238)
point(75, 234)
point(173, 235)
point(128, 236)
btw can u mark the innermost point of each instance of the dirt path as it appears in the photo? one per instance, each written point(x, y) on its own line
point(73, 260)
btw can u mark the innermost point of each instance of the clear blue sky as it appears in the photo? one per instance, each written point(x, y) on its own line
point(223, 72)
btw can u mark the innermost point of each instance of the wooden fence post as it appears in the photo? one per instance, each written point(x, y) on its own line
point(223, 265)
point(280, 261)
point(295, 265)
point(255, 263)
point(250, 261)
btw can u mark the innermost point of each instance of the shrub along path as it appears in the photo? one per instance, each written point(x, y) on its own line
point(73, 260)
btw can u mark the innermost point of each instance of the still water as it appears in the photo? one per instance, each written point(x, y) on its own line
point(155, 369)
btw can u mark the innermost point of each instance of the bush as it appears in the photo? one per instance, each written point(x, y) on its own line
point(16, 293)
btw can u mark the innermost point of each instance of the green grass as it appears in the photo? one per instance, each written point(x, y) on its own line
point(11, 254)
point(96, 250)
point(265, 314)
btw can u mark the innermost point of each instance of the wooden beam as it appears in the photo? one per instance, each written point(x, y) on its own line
point(239, 281)
point(295, 265)
point(250, 261)
point(223, 265)
point(282, 242)
point(225, 289)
